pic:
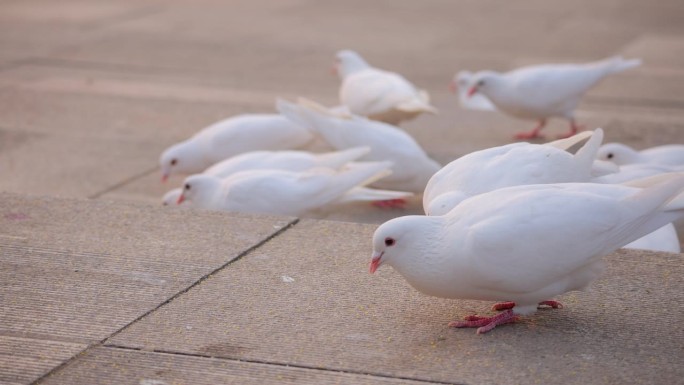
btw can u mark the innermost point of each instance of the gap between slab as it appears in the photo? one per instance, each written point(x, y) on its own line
point(170, 299)
point(273, 363)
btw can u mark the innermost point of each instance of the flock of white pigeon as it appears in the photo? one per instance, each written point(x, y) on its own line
point(520, 223)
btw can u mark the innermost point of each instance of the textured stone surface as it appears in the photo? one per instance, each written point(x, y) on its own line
point(74, 272)
point(119, 366)
point(318, 307)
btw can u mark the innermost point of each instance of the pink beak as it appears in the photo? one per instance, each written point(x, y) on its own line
point(181, 198)
point(472, 91)
point(333, 70)
point(375, 262)
point(165, 177)
point(453, 87)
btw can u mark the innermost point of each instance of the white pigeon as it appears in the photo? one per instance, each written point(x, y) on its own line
point(275, 160)
point(545, 91)
point(461, 83)
point(280, 192)
point(510, 165)
point(665, 238)
point(378, 94)
point(411, 169)
point(524, 244)
point(621, 154)
point(236, 135)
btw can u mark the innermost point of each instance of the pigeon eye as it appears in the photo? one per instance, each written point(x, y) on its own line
point(481, 83)
point(389, 241)
point(174, 161)
point(187, 186)
point(610, 155)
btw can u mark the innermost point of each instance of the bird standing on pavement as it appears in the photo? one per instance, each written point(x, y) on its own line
point(524, 244)
point(281, 192)
point(412, 168)
point(236, 135)
point(544, 91)
point(378, 94)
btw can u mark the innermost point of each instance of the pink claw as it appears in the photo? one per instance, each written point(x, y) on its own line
point(485, 324)
point(510, 305)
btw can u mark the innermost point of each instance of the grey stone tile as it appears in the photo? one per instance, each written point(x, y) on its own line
point(24, 360)
point(79, 270)
point(306, 299)
point(119, 366)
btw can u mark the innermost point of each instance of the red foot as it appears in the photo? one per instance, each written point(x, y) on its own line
point(503, 306)
point(510, 305)
point(485, 324)
point(533, 134)
point(391, 204)
point(553, 304)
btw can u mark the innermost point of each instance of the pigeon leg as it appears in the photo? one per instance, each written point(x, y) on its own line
point(510, 305)
point(503, 306)
point(391, 203)
point(553, 304)
point(485, 324)
point(534, 133)
point(574, 128)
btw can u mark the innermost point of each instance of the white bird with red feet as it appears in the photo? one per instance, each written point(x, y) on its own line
point(524, 244)
point(544, 91)
point(412, 168)
point(233, 136)
point(378, 94)
point(622, 154)
point(281, 192)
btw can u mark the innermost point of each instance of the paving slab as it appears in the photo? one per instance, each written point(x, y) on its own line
point(23, 360)
point(317, 306)
point(121, 366)
point(74, 272)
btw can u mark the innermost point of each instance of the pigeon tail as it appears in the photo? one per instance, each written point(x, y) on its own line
point(370, 194)
point(617, 64)
point(573, 143)
point(338, 159)
point(586, 155)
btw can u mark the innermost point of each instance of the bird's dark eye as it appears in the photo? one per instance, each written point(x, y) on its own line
point(480, 83)
point(610, 155)
point(187, 186)
point(389, 241)
point(174, 161)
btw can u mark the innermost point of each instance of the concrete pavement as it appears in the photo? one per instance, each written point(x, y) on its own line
point(102, 285)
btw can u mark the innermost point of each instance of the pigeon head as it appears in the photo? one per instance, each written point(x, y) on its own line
point(397, 242)
point(484, 82)
point(199, 189)
point(461, 80)
point(617, 153)
point(348, 62)
point(181, 158)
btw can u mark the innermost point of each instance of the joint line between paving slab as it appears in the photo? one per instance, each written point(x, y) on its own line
point(288, 365)
point(178, 294)
point(123, 182)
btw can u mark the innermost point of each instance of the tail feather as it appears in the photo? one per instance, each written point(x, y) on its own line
point(586, 155)
point(618, 64)
point(572, 143)
point(338, 159)
point(666, 190)
point(370, 194)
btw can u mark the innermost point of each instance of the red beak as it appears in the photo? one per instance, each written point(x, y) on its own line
point(181, 198)
point(472, 91)
point(375, 262)
point(453, 87)
point(333, 70)
point(165, 177)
